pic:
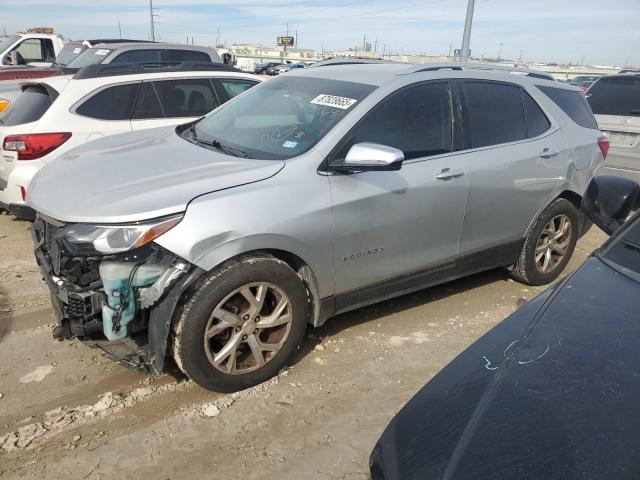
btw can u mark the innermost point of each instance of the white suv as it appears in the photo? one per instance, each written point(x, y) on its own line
point(54, 115)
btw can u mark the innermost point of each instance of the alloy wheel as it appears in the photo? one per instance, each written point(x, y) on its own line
point(553, 243)
point(247, 328)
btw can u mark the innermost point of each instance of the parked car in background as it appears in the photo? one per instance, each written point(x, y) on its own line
point(38, 47)
point(275, 69)
point(142, 52)
point(290, 67)
point(577, 80)
point(550, 392)
point(12, 77)
point(262, 67)
point(56, 114)
point(584, 86)
point(310, 195)
point(615, 101)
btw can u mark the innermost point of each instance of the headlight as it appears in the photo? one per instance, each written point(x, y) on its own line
point(4, 104)
point(82, 238)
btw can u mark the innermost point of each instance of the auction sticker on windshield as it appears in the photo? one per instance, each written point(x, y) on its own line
point(334, 101)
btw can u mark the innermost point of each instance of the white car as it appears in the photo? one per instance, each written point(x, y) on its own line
point(53, 115)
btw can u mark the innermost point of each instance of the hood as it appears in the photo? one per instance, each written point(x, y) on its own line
point(549, 393)
point(137, 176)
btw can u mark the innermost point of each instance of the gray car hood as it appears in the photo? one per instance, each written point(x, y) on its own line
point(137, 176)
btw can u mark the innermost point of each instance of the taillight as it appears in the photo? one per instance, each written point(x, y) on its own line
point(23, 193)
point(603, 143)
point(36, 145)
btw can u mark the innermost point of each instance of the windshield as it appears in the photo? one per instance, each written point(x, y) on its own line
point(281, 118)
point(68, 53)
point(625, 249)
point(90, 56)
point(616, 96)
point(29, 107)
point(7, 42)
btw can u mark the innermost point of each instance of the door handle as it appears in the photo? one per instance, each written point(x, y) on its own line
point(547, 153)
point(448, 174)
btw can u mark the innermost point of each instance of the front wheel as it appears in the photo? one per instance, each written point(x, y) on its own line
point(241, 324)
point(549, 245)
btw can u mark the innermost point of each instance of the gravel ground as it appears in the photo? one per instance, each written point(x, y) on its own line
point(67, 412)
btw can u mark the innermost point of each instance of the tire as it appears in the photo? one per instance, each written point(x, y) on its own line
point(239, 306)
point(531, 267)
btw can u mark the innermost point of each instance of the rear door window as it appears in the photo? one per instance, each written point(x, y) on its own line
point(235, 86)
point(112, 103)
point(147, 104)
point(573, 103)
point(184, 56)
point(138, 56)
point(188, 97)
point(494, 113)
point(29, 107)
point(536, 121)
point(417, 120)
point(616, 96)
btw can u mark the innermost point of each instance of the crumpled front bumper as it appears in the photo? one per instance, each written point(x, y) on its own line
point(78, 308)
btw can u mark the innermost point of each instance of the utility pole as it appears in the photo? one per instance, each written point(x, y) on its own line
point(466, 36)
point(152, 20)
point(500, 52)
point(120, 29)
point(218, 38)
point(296, 39)
point(375, 46)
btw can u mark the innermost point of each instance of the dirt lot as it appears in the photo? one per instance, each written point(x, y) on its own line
point(67, 412)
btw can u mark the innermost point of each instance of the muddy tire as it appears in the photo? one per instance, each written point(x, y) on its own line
point(241, 324)
point(549, 244)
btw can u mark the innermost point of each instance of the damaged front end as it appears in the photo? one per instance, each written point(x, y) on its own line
point(112, 287)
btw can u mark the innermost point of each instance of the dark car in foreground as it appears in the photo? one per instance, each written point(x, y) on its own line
point(552, 391)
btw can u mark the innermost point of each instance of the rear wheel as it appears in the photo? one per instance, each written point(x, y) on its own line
point(241, 325)
point(549, 245)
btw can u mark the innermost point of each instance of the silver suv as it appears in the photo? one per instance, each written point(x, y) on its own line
point(312, 194)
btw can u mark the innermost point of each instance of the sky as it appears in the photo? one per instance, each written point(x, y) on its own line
point(596, 32)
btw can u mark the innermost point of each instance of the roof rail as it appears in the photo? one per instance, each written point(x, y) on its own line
point(348, 61)
point(113, 69)
point(479, 66)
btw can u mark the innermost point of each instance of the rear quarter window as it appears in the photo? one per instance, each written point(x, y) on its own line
point(573, 103)
point(29, 107)
point(112, 103)
point(616, 96)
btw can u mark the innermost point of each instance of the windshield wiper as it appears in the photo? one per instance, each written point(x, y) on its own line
point(221, 147)
point(631, 244)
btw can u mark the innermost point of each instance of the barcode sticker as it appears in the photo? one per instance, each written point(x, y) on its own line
point(334, 101)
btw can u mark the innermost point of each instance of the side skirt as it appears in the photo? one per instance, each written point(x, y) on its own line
point(499, 256)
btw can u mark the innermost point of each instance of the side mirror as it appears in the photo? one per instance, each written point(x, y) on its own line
point(609, 200)
point(371, 156)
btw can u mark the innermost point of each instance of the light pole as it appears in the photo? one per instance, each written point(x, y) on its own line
point(466, 36)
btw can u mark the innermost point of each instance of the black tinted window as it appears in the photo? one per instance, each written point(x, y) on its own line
point(147, 103)
point(138, 56)
point(616, 96)
point(416, 121)
point(536, 121)
point(184, 56)
point(234, 86)
point(495, 113)
point(189, 97)
point(113, 103)
point(28, 107)
point(573, 103)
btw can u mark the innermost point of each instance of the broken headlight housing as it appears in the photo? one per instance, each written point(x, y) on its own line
point(87, 239)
